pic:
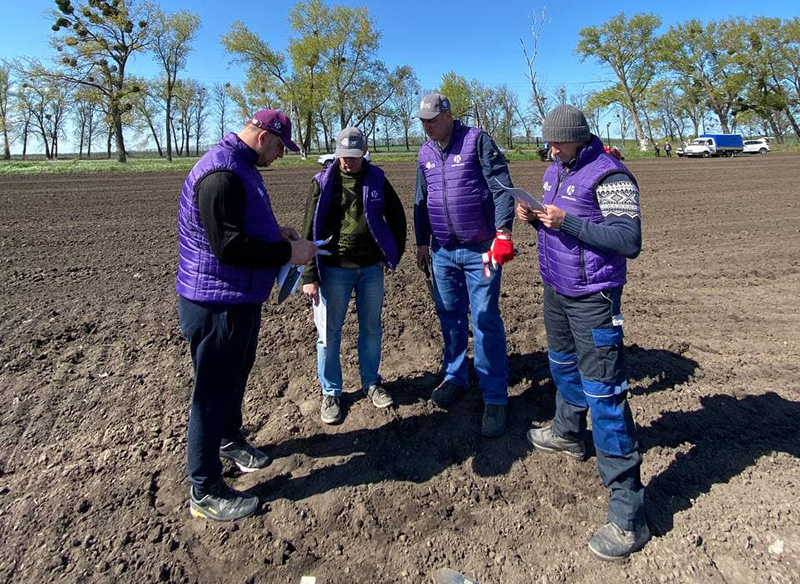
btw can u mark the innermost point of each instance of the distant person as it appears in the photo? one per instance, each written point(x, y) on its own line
point(463, 220)
point(353, 203)
point(590, 226)
point(230, 249)
point(657, 149)
point(668, 149)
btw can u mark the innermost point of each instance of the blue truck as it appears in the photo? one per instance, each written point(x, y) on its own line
point(707, 145)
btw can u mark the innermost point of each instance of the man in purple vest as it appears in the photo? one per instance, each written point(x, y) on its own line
point(463, 219)
point(354, 204)
point(231, 247)
point(590, 225)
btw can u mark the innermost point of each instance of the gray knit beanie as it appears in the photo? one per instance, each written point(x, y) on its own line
point(565, 124)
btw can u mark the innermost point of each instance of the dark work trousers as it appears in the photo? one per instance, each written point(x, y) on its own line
point(584, 337)
point(223, 341)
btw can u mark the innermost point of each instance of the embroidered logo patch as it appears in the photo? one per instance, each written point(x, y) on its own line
point(547, 186)
point(457, 158)
point(571, 189)
point(430, 165)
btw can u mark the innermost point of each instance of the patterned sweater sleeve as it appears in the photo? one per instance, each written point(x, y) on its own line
point(621, 231)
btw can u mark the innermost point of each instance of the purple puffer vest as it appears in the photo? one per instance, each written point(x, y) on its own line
point(571, 267)
point(460, 204)
point(373, 210)
point(201, 276)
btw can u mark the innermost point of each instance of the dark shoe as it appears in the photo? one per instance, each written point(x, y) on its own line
point(246, 457)
point(445, 395)
point(613, 543)
point(331, 411)
point(379, 396)
point(221, 503)
point(494, 420)
point(548, 441)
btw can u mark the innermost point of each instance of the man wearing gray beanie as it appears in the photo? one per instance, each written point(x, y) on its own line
point(590, 225)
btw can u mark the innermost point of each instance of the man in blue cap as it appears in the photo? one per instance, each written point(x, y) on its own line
point(463, 219)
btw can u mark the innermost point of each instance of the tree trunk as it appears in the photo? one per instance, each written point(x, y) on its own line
point(108, 143)
point(792, 121)
point(116, 116)
point(168, 125)
point(25, 130)
point(6, 149)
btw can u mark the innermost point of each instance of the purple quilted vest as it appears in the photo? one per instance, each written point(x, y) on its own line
point(372, 193)
point(460, 204)
point(201, 277)
point(571, 267)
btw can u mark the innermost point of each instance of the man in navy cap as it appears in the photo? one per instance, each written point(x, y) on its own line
point(463, 219)
point(231, 247)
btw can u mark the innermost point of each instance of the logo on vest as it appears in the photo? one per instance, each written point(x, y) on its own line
point(373, 194)
point(547, 186)
point(430, 165)
point(457, 158)
point(262, 192)
point(571, 190)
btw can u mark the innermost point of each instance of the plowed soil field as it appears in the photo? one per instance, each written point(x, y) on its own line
point(95, 382)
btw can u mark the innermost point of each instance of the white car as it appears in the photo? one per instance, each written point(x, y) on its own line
point(327, 159)
point(760, 146)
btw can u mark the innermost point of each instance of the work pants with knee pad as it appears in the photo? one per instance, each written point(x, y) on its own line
point(584, 337)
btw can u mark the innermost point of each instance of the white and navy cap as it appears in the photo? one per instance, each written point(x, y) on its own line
point(432, 105)
point(350, 144)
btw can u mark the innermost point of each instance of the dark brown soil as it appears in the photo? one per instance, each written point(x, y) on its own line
point(95, 381)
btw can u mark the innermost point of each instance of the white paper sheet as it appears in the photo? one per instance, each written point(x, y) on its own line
point(321, 317)
point(522, 196)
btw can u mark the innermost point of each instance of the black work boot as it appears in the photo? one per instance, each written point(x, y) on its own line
point(494, 420)
point(613, 543)
point(446, 394)
point(546, 440)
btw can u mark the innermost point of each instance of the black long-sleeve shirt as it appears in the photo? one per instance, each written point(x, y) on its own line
point(221, 200)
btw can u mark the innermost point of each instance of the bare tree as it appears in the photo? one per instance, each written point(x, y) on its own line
point(538, 99)
point(221, 102)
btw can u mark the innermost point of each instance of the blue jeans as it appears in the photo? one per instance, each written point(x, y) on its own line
point(462, 287)
point(336, 285)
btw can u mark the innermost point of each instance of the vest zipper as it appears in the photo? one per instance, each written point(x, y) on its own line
point(444, 196)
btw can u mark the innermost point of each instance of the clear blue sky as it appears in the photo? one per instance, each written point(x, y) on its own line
point(476, 38)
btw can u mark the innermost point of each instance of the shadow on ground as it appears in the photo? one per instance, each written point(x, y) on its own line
point(728, 435)
point(421, 446)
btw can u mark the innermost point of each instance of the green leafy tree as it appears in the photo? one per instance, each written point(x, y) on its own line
point(172, 43)
point(628, 47)
point(705, 54)
point(96, 40)
point(458, 90)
